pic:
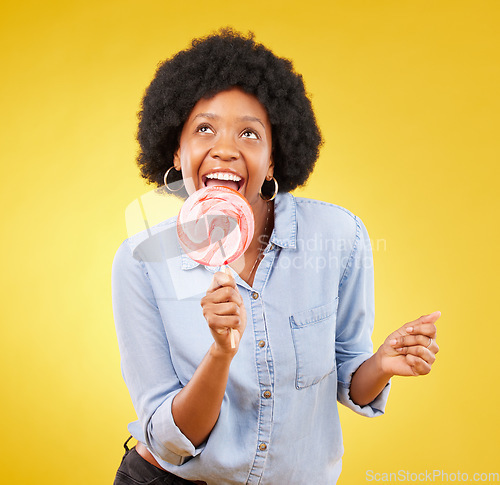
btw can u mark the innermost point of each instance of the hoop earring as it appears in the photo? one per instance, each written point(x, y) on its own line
point(165, 177)
point(274, 194)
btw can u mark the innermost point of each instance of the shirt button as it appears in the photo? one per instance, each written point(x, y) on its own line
point(262, 447)
point(266, 394)
point(255, 295)
point(262, 343)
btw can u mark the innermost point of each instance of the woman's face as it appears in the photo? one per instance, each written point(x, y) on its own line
point(226, 140)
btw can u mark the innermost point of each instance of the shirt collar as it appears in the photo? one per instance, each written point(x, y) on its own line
point(284, 233)
point(285, 221)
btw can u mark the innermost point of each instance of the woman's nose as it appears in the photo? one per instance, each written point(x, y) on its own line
point(225, 149)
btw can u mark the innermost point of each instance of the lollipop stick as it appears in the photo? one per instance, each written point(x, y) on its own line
point(227, 271)
point(232, 331)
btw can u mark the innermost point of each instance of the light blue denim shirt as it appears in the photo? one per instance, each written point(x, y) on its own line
point(310, 317)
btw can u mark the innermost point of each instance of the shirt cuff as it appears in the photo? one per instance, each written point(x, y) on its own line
point(165, 440)
point(345, 372)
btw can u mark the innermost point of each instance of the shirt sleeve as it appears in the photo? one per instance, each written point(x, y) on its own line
point(355, 317)
point(145, 358)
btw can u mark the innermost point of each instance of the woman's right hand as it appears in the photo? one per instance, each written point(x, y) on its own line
point(224, 310)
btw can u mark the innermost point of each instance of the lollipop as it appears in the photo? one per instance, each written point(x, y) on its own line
point(215, 227)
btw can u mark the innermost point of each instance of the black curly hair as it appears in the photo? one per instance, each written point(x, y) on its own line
point(212, 64)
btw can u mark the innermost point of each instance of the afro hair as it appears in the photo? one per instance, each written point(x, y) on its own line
point(216, 63)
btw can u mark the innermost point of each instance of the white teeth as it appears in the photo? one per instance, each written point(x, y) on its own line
point(223, 176)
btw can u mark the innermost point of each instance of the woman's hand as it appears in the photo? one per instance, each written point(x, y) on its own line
point(410, 350)
point(224, 310)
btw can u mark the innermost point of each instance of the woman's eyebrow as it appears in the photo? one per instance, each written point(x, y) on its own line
point(213, 116)
point(207, 115)
point(252, 118)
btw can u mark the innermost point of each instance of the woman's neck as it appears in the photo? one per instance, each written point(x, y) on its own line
point(246, 265)
point(264, 224)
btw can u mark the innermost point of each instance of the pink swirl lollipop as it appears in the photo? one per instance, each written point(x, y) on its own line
point(215, 225)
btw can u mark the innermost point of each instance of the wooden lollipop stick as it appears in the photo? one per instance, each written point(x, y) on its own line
point(233, 330)
point(226, 270)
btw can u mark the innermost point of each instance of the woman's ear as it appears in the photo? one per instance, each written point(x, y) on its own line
point(177, 160)
point(270, 170)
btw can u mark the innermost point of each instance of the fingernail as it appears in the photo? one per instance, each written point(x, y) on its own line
point(400, 349)
point(393, 342)
point(409, 329)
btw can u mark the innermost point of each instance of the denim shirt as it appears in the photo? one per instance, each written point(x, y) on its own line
point(310, 315)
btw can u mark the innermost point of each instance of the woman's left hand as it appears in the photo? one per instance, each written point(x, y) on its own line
point(410, 350)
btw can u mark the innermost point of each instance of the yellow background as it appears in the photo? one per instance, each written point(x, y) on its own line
point(406, 94)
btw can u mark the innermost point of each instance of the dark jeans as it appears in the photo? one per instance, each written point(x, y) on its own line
point(135, 470)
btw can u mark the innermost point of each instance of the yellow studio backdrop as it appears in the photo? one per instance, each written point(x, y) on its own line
point(406, 93)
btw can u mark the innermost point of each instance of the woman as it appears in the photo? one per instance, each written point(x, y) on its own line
point(227, 111)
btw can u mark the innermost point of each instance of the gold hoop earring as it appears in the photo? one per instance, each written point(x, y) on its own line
point(274, 194)
point(175, 183)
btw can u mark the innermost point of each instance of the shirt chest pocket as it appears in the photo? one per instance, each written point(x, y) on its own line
point(313, 333)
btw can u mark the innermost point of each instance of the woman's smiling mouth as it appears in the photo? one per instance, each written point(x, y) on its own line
point(226, 179)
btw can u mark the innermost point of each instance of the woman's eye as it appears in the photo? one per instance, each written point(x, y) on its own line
point(204, 129)
point(250, 134)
